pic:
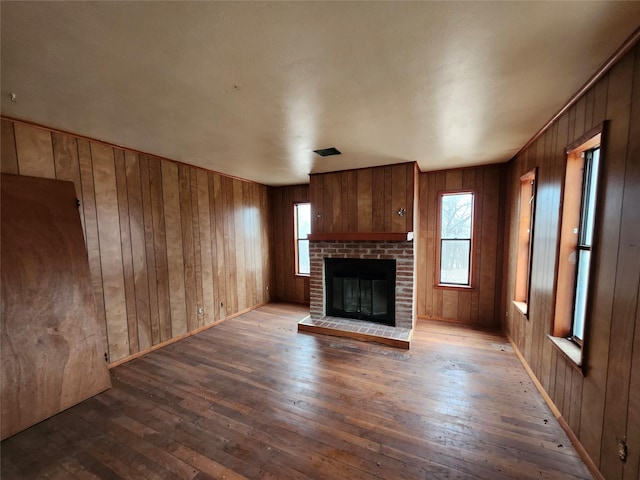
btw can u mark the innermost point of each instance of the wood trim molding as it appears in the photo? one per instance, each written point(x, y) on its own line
point(627, 45)
point(366, 236)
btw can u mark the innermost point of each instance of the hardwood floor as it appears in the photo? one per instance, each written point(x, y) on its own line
point(252, 398)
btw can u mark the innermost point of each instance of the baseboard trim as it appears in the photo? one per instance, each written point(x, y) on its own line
point(582, 452)
point(183, 336)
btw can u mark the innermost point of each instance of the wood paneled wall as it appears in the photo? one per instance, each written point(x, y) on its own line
point(363, 200)
point(163, 238)
point(287, 286)
point(603, 405)
point(477, 305)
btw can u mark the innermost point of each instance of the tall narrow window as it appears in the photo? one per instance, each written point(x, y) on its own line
point(525, 240)
point(302, 228)
point(576, 241)
point(455, 232)
point(585, 241)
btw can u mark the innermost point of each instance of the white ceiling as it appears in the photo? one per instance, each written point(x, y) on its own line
point(252, 88)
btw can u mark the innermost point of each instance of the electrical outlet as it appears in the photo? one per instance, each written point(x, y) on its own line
point(622, 450)
point(200, 310)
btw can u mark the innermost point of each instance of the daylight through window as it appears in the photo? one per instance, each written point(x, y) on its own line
point(576, 240)
point(455, 227)
point(302, 228)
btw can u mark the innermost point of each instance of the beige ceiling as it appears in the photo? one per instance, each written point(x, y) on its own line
point(251, 89)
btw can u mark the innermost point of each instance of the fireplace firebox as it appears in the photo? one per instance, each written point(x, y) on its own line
point(361, 288)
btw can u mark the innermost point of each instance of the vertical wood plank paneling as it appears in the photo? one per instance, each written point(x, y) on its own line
point(449, 304)
point(217, 243)
point(197, 248)
point(127, 254)
point(157, 181)
point(280, 215)
point(400, 199)
point(139, 255)
point(175, 249)
point(489, 234)
point(388, 207)
point(440, 185)
point(240, 287)
point(375, 189)
point(630, 236)
point(185, 254)
point(632, 467)
point(35, 151)
point(429, 244)
point(231, 305)
point(607, 239)
point(264, 230)
point(250, 273)
point(91, 227)
point(65, 154)
point(288, 286)
point(162, 238)
point(581, 110)
point(327, 202)
point(352, 201)
point(625, 285)
point(600, 101)
point(317, 205)
point(150, 249)
point(8, 154)
point(476, 305)
point(373, 196)
point(205, 217)
point(576, 401)
point(421, 260)
point(561, 370)
point(344, 199)
point(590, 105)
point(110, 250)
point(453, 179)
point(266, 235)
point(598, 406)
point(366, 197)
point(476, 313)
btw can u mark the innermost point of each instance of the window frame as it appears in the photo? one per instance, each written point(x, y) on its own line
point(525, 241)
point(297, 240)
point(562, 327)
point(438, 247)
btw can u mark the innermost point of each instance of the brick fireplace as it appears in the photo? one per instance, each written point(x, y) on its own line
point(363, 214)
point(401, 251)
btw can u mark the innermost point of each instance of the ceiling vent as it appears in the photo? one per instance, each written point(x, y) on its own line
point(328, 152)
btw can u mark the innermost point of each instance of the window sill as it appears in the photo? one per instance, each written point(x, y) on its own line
point(303, 275)
point(523, 307)
point(569, 349)
point(447, 286)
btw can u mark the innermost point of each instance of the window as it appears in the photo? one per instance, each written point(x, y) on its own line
point(525, 240)
point(576, 242)
point(302, 228)
point(455, 232)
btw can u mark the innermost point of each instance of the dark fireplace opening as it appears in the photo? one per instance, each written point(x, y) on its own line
point(361, 288)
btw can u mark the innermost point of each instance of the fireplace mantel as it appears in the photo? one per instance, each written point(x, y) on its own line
point(367, 236)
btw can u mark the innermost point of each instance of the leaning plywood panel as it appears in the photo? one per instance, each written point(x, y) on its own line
point(52, 348)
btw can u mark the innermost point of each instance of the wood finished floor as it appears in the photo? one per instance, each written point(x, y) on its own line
point(252, 398)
